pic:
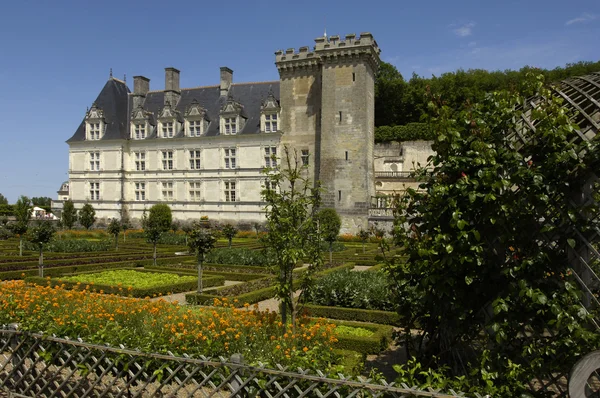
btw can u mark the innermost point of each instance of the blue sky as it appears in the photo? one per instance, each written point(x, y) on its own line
point(55, 56)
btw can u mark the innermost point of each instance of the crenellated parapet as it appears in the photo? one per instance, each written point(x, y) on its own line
point(290, 60)
point(330, 49)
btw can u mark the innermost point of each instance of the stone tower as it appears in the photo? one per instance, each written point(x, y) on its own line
point(328, 106)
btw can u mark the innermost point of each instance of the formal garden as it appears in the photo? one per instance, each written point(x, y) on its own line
point(487, 281)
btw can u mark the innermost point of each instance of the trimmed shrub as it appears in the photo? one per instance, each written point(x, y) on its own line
point(407, 132)
point(72, 246)
point(382, 335)
point(350, 289)
point(352, 314)
point(238, 256)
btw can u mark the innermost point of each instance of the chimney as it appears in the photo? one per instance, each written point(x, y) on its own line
point(172, 92)
point(226, 79)
point(141, 86)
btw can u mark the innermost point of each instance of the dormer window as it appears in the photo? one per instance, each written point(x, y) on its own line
point(94, 123)
point(195, 128)
point(167, 129)
point(270, 123)
point(140, 126)
point(167, 118)
point(140, 131)
point(269, 118)
point(196, 119)
point(230, 125)
point(232, 117)
point(94, 129)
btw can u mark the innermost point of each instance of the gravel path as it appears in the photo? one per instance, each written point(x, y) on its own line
point(180, 297)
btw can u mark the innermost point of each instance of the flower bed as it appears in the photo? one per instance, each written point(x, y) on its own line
point(84, 265)
point(137, 283)
point(164, 327)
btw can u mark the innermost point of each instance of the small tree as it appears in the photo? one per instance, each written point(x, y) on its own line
point(69, 214)
point(257, 229)
point(87, 216)
point(187, 227)
point(22, 211)
point(293, 236)
point(114, 228)
point(40, 235)
point(229, 232)
point(201, 242)
point(329, 224)
point(159, 221)
point(363, 235)
point(125, 221)
point(175, 226)
point(3, 200)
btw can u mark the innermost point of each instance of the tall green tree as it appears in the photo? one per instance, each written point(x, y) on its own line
point(158, 222)
point(22, 212)
point(114, 228)
point(400, 102)
point(40, 235)
point(69, 214)
point(329, 225)
point(293, 234)
point(201, 242)
point(229, 232)
point(389, 96)
point(3, 200)
point(87, 216)
point(481, 285)
point(42, 201)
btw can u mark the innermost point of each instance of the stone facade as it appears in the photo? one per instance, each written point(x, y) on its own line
point(202, 149)
point(394, 162)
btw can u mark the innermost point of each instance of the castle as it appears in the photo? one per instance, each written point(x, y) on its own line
point(202, 150)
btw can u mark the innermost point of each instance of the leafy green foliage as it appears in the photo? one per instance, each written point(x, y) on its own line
point(87, 216)
point(399, 102)
point(237, 256)
point(201, 242)
point(40, 235)
point(407, 132)
point(72, 246)
point(353, 331)
point(69, 214)
point(5, 233)
point(22, 212)
point(3, 200)
point(293, 234)
point(43, 201)
point(157, 222)
point(229, 232)
point(126, 278)
point(114, 228)
point(479, 278)
point(329, 227)
point(364, 236)
point(351, 289)
point(6, 210)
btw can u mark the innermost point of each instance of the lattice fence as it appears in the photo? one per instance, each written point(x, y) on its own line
point(33, 365)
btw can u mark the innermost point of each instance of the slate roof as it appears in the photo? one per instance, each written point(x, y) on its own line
point(113, 102)
point(117, 106)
